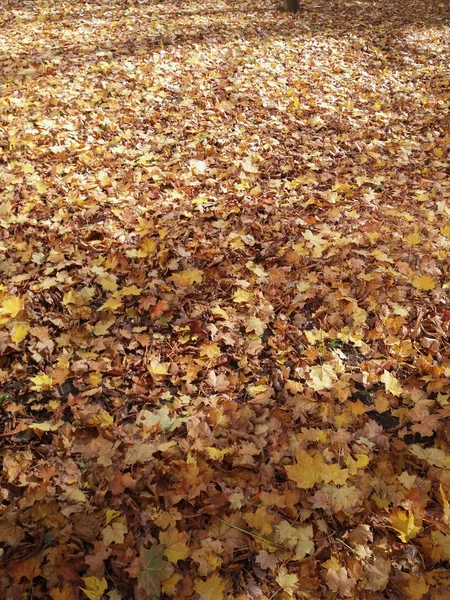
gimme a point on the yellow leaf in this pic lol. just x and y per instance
(155, 367)
(443, 541)
(169, 587)
(445, 230)
(425, 283)
(95, 587)
(298, 538)
(434, 456)
(101, 327)
(210, 350)
(147, 247)
(108, 284)
(403, 523)
(12, 306)
(102, 418)
(413, 238)
(307, 471)
(260, 520)
(417, 588)
(111, 514)
(422, 196)
(216, 453)
(73, 494)
(219, 312)
(187, 277)
(41, 382)
(95, 378)
(211, 589)
(46, 426)
(445, 506)
(19, 332)
(248, 166)
(391, 384)
(104, 179)
(335, 474)
(243, 296)
(322, 377)
(287, 581)
(112, 304)
(130, 290)
(174, 542)
(114, 533)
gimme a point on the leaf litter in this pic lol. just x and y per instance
(224, 305)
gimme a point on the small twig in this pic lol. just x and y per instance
(254, 535)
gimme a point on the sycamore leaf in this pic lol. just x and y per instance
(403, 523)
(211, 589)
(154, 571)
(95, 587)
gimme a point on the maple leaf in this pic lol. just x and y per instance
(424, 283)
(174, 542)
(391, 384)
(249, 166)
(378, 574)
(11, 306)
(19, 332)
(211, 589)
(267, 561)
(443, 541)
(298, 538)
(417, 587)
(403, 523)
(307, 471)
(260, 520)
(323, 377)
(154, 571)
(41, 382)
(187, 278)
(114, 533)
(287, 581)
(157, 368)
(217, 381)
(95, 587)
(339, 581)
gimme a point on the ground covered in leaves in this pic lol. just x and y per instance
(224, 312)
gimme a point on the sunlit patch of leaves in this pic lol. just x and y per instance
(224, 311)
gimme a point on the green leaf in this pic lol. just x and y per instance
(155, 570)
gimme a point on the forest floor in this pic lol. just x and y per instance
(224, 300)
